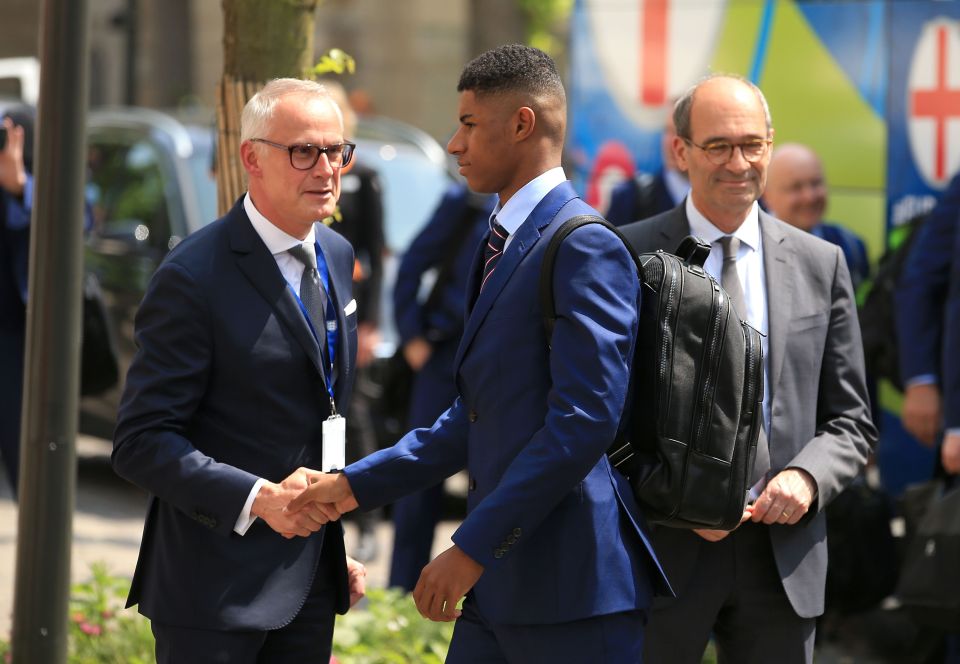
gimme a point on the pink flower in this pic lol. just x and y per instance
(90, 630)
(78, 617)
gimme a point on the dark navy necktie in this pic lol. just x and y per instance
(493, 251)
(312, 294)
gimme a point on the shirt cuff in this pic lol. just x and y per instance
(922, 379)
(245, 520)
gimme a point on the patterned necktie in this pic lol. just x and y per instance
(493, 251)
(730, 281)
(312, 294)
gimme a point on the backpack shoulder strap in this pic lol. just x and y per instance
(547, 303)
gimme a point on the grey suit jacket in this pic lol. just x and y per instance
(820, 416)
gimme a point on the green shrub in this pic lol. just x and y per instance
(389, 630)
(101, 631)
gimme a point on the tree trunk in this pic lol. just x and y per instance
(262, 40)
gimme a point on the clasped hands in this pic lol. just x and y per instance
(304, 502)
(308, 499)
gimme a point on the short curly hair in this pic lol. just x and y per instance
(512, 68)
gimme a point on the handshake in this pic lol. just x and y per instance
(303, 502)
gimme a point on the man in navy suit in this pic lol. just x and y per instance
(553, 555)
(247, 341)
(430, 333)
(921, 315)
(16, 197)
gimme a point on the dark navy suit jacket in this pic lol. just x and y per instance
(555, 527)
(639, 197)
(922, 291)
(227, 386)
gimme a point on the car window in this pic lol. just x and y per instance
(201, 170)
(125, 188)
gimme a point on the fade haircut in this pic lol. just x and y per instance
(684, 105)
(258, 112)
(513, 68)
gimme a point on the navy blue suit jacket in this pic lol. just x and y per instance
(555, 527)
(923, 287)
(639, 197)
(227, 386)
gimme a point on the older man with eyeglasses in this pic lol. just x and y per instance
(247, 344)
(759, 588)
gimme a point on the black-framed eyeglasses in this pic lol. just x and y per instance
(720, 152)
(304, 156)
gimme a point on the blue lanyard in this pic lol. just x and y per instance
(330, 316)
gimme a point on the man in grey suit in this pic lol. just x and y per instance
(759, 588)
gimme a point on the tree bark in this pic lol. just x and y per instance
(262, 40)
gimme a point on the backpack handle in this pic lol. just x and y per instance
(693, 250)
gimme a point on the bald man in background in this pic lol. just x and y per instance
(797, 193)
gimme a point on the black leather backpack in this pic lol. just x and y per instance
(696, 389)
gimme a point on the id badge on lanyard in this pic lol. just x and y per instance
(333, 456)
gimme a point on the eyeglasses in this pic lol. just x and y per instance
(305, 156)
(721, 152)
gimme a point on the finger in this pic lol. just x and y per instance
(329, 511)
(305, 496)
(436, 607)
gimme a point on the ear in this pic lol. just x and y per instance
(523, 123)
(250, 158)
(680, 153)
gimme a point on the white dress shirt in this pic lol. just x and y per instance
(752, 277)
(522, 203)
(278, 243)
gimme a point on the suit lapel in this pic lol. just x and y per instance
(778, 268)
(522, 241)
(675, 229)
(259, 266)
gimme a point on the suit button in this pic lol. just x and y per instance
(473, 416)
(472, 484)
(498, 553)
(511, 540)
(517, 532)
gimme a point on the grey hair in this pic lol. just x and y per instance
(684, 106)
(258, 112)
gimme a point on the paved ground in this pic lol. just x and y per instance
(108, 523)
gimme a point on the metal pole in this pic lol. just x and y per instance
(51, 367)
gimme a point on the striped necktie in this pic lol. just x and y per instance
(493, 251)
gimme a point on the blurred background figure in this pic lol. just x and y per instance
(16, 195)
(797, 193)
(920, 299)
(430, 328)
(359, 219)
(928, 338)
(645, 195)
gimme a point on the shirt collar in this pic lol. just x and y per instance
(277, 241)
(522, 203)
(748, 233)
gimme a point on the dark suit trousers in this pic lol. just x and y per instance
(306, 639)
(611, 639)
(735, 592)
(11, 399)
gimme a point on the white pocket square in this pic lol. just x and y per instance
(350, 308)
